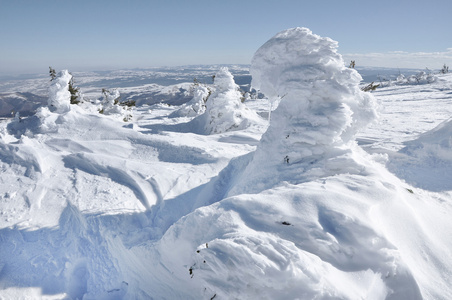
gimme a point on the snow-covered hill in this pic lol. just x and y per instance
(158, 207)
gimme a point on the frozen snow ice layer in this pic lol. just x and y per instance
(293, 56)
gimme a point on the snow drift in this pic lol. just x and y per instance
(435, 144)
(430, 154)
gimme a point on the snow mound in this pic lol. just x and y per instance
(224, 108)
(426, 162)
(434, 144)
(59, 95)
(321, 107)
(308, 241)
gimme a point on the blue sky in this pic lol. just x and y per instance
(96, 34)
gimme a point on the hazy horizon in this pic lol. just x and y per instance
(108, 35)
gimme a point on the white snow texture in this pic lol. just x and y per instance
(182, 203)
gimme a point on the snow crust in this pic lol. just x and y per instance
(92, 207)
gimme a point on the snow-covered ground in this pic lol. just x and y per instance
(159, 207)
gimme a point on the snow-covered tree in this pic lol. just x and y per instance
(75, 91)
(321, 106)
(110, 102)
(52, 73)
(197, 105)
(112, 106)
(59, 95)
(224, 109)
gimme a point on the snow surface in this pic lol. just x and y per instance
(93, 207)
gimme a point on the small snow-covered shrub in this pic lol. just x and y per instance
(370, 87)
(419, 78)
(112, 106)
(128, 103)
(400, 78)
(110, 102)
(197, 105)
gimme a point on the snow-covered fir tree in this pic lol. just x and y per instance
(59, 95)
(224, 108)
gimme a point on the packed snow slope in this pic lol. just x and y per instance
(308, 205)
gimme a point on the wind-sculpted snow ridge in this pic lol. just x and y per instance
(224, 109)
(430, 153)
(315, 240)
(435, 143)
